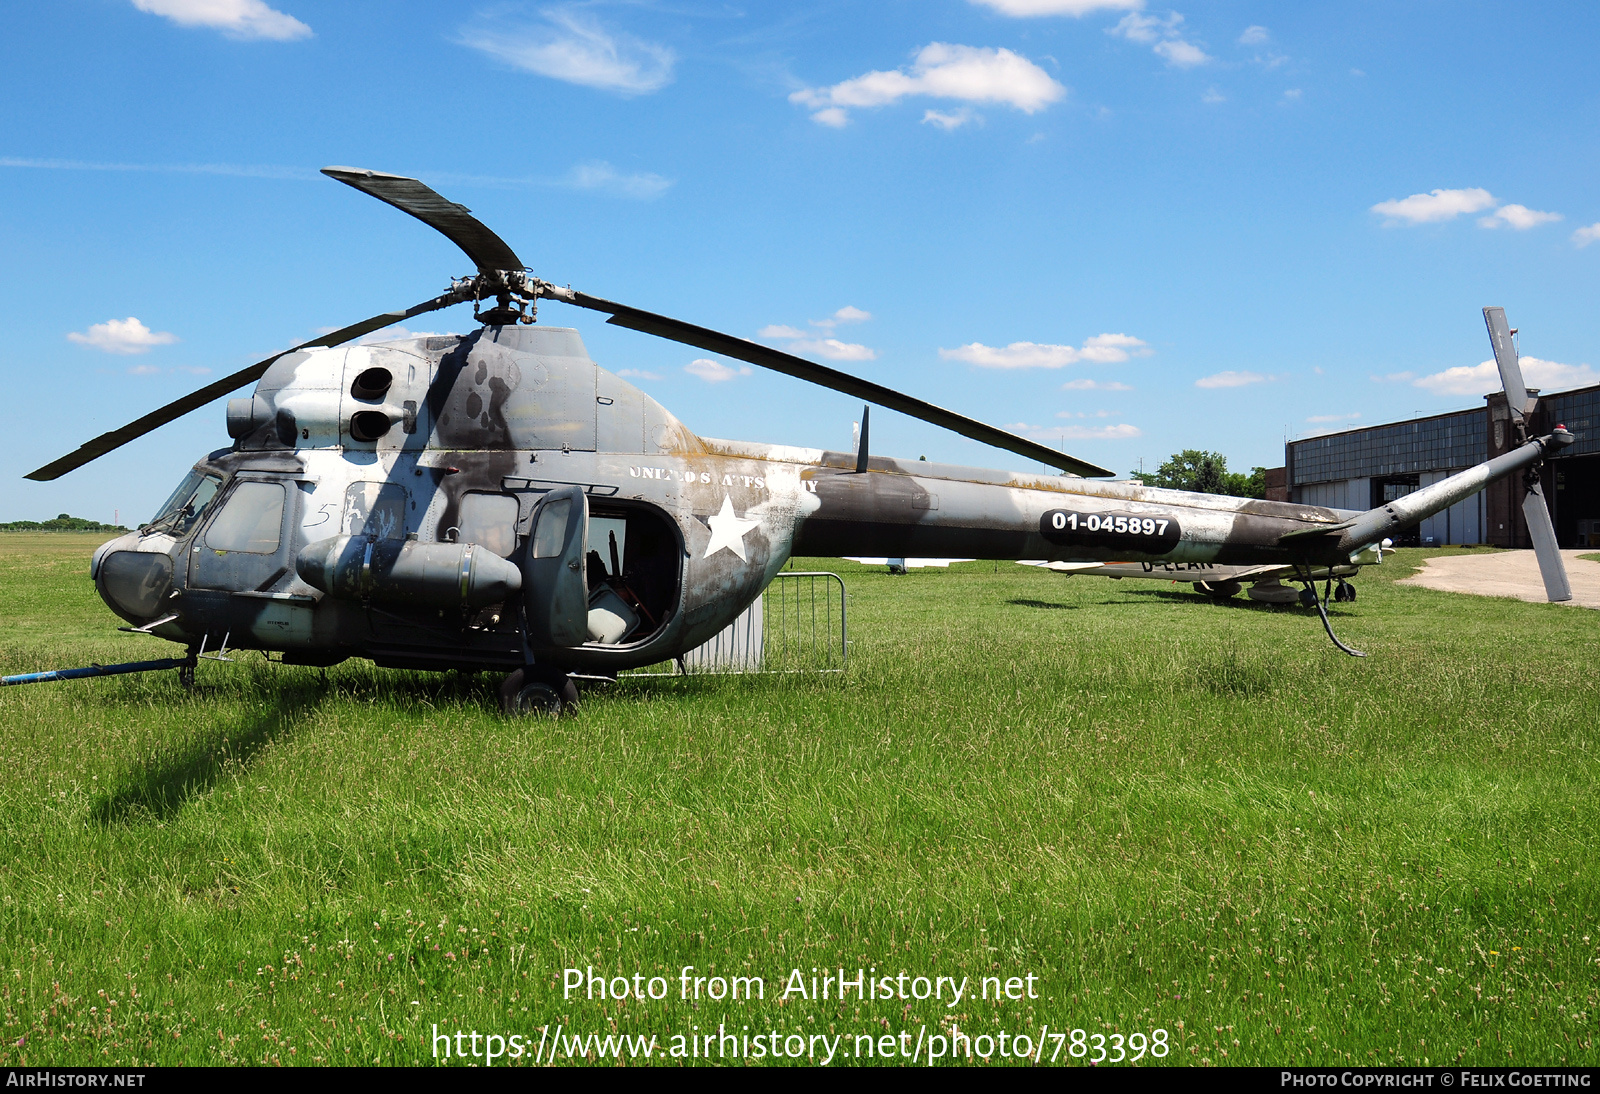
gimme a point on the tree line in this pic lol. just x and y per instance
(62, 523)
(1205, 473)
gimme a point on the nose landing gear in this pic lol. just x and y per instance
(538, 691)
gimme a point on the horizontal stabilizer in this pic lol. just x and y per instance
(1318, 530)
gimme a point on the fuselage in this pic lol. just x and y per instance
(431, 445)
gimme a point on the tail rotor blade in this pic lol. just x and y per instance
(1505, 358)
(1543, 533)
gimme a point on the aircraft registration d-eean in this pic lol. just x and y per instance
(497, 501)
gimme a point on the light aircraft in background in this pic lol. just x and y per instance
(1221, 582)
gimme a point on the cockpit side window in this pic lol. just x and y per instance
(250, 521)
(186, 506)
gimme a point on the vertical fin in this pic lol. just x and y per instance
(861, 445)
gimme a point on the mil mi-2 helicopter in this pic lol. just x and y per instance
(431, 503)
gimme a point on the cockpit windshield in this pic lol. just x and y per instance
(186, 505)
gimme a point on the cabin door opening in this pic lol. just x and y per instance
(632, 569)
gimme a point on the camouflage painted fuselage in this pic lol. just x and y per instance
(472, 432)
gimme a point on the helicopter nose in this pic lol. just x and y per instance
(133, 582)
(127, 539)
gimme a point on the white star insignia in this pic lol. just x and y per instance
(727, 530)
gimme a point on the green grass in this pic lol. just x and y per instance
(1176, 814)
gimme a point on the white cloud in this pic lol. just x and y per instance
(390, 334)
(639, 373)
(235, 18)
(1231, 379)
(808, 343)
(1181, 54)
(577, 49)
(714, 372)
(1481, 379)
(1435, 205)
(193, 370)
(1162, 36)
(1022, 9)
(1049, 433)
(1254, 36)
(940, 71)
(1519, 217)
(833, 349)
(144, 370)
(1120, 432)
(1292, 95)
(1585, 236)
(241, 170)
(846, 314)
(1140, 28)
(600, 175)
(1102, 349)
(1086, 384)
(953, 120)
(122, 336)
(1212, 95)
(1393, 378)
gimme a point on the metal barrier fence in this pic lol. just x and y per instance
(797, 625)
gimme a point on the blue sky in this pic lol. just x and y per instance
(1115, 226)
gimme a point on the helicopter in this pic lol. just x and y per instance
(496, 501)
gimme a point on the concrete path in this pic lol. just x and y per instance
(1508, 573)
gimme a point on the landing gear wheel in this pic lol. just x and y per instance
(1218, 590)
(186, 677)
(1344, 592)
(538, 692)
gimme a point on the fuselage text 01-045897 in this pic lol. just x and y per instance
(1140, 532)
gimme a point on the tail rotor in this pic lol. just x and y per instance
(1534, 509)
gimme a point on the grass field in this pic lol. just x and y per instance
(1175, 815)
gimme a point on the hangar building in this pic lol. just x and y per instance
(1363, 468)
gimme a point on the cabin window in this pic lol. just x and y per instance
(490, 520)
(250, 521)
(551, 533)
(376, 509)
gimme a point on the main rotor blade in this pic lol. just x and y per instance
(456, 222)
(107, 442)
(1505, 357)
(1543, 534)
(798, 367)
